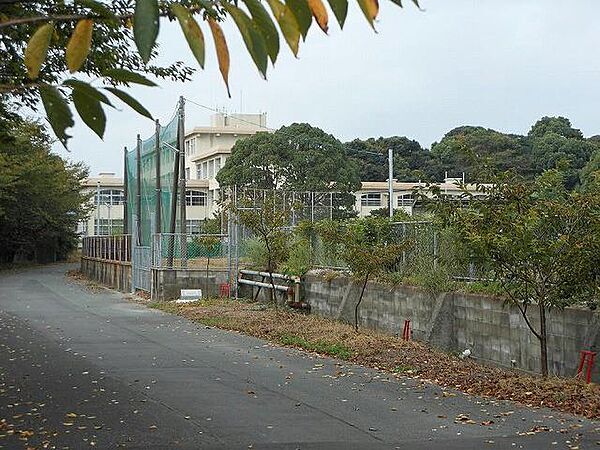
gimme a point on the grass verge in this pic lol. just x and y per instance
(389, 353)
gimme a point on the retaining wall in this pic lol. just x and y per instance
(495, 332)
(169, 282)
(115, 274)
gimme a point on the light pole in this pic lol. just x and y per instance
(390, 177)
(108, 205)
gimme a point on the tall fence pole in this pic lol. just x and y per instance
(435, 249)
(236, 247)
(138, 194)
(158, 214)
(125, 194)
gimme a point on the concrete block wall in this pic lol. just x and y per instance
(495, 332)
(170, 282)
(114, 274)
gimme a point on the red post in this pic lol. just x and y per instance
(406, 331)
(586, 357)
(224, 290)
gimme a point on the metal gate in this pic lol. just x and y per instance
(141, 268)
(141, 262)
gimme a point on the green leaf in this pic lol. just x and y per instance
(37, 49)
(90, 110)
(191, 31)
(58, 112)
(263, 21)
(145, 26)
(79, 44)
(288, 24)
(126, 76)
(89, 90)
(130, 101)
(340, 10)
(302, 13)
(97, 8)
(252, 37)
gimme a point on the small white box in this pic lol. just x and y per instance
(189, 295)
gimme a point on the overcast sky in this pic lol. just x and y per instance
(500, 64)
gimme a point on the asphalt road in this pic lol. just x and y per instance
(84, 369)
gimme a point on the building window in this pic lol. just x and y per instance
(195, 198)
(217, 165)
(211, 168)
(405, 200)
(110, 197)
(108, 227)
(190, 146)
(370, 199)
(194, 226)
(204, 170)
(82, 228)
(198, 171)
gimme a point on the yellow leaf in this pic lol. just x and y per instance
(319, 13)
(370, 9)
(222, 50)
(37, 49)
(79, 44)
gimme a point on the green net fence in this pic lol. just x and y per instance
(167, 140)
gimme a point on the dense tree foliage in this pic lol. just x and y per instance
(482, 153)
(556, 144)
(40, 194)
(479, 152)
(298, 157)
(411, 161)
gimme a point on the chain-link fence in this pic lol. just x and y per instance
(190, 251)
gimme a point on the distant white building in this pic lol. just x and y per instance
(375, 194)
(107, 197)
(207, 148)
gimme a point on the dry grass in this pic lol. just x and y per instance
(382, 351)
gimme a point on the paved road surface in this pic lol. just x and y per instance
(90, 370)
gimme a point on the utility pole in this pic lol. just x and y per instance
(391, 181)
(182, 215)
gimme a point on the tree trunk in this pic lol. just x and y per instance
(543, 340)
(270, 270)
(358, 303)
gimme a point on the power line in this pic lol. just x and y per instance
(236, 118)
